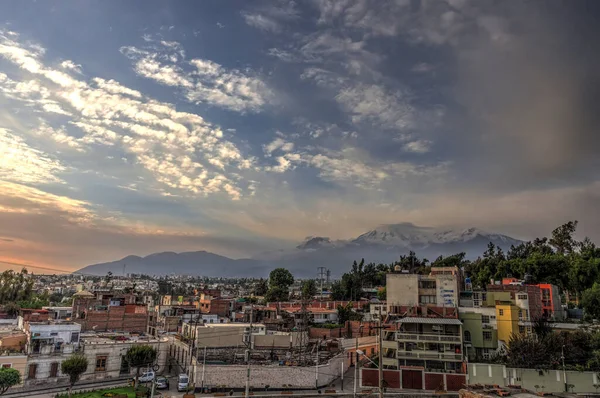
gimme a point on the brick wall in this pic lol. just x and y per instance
(126, 318)
(324, 333)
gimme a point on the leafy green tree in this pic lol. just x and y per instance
(74, 367)
(261, 287)
(8, 377)
(280, 280)
(337, 291)
(139, 356)
(382, 293)
(12, 309)
(590, 301)
(309, 289)
(582, 274)
(562, 238)
(347, 313)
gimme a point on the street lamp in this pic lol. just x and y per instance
(360, 352)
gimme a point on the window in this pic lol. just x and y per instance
(487, 335)
(100, 363)
(520, 314)
(7, 365)
(527, 314)
(54, 369)
(485, 319)
(522, 297)
(521, 329)
(501, 312)
(75, 337)
(53, 333)
(32, 371)
(427, 284)
(427, 300)
(467, 336)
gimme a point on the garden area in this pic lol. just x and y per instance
(115, 392)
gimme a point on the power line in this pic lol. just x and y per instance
(35, 266)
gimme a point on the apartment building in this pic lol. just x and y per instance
(440, 288)
(432, 344)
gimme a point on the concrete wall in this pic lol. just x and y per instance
(18, 362)
(402, 289)
(234, 376)
(552, 380)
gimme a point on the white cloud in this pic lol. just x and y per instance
(283, 55)
(179, 149)
(113, 87)
(262, 22)
(278, 143)
(272, 17)
(70, 65)
(373, 103)
(202, 81)
(423, 67)
(419, 146)
(20, 162)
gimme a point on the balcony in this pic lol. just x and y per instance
(434, 355)
(390, 362)
(389, 344)
(429, 338)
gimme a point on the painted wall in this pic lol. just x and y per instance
(507, 317)
(552, 380)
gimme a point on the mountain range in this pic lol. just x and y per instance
(383, 244)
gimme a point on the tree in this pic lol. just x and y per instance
(8, 377)
(74, 367)
(382, 293)
(590, 301)
(12, 309)
(309, 289)
(347, 313)
(139, 356)
(562, 238)
(280, 280)
(261, 287)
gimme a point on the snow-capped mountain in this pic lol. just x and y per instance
(411, 236)
(383, 244)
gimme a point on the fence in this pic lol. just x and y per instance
(550, 381)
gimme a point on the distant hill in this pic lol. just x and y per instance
(382, 244)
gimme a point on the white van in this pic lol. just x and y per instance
(183, 382)
(147, 377)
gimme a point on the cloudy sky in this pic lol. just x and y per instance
(243, 126)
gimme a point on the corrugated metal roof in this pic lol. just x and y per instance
(431, 321)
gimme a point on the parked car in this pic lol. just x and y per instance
(183, 382)
(162, 383)
(147, 377)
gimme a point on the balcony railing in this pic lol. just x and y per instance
(428, 337)
(442, 356)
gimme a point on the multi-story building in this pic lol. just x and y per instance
(433, 344)
(440, 288)
(551, 305)
(480, 331)
(109, 311)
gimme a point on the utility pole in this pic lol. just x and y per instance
(317, 366)
(380, 328)
(203, 369)
(355, 366)
(249, 351)
(562, 349)
(342, 375)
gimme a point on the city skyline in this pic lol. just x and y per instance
(243, 127)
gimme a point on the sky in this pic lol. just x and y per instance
(240, 127)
